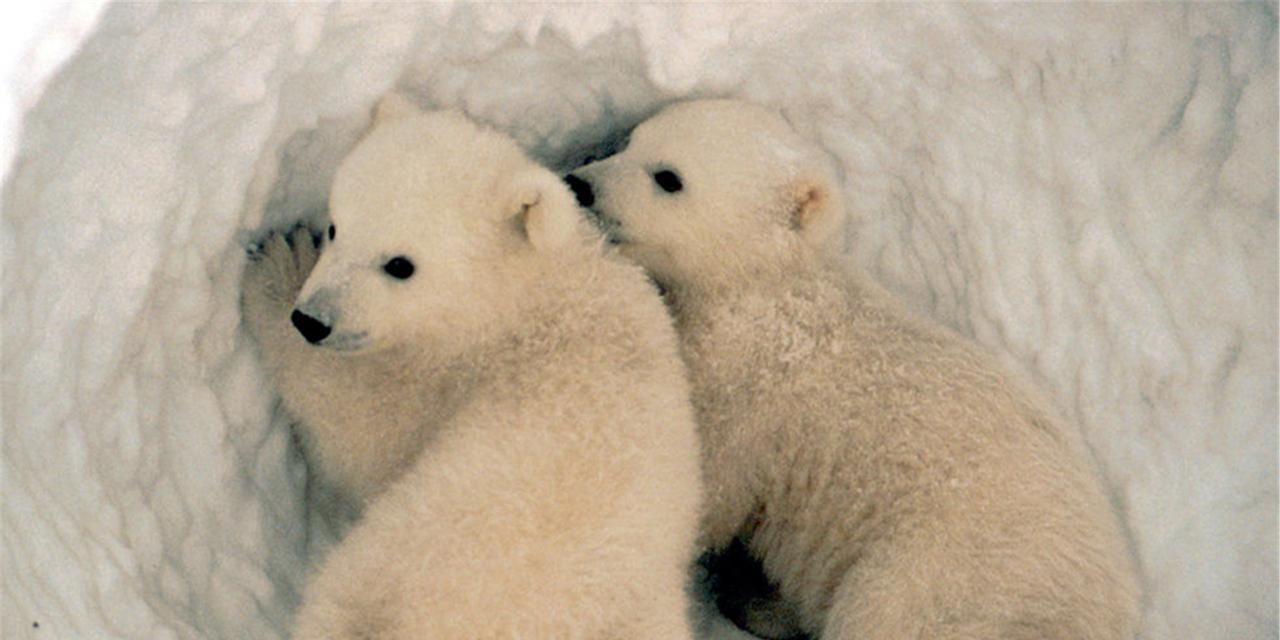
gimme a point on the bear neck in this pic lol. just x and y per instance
(707, 291)
(752, 322)
(546, 310)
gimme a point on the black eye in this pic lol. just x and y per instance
(668, 180)
(399, 268)
(333, 231)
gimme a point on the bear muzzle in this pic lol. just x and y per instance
(586, 196)
(311, 328)
(581, 189)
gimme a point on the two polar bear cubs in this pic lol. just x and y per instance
(506, 404)
(513, 409)
(891, 480)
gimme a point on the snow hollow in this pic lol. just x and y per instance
(1088, 191)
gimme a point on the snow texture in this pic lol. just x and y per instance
(1089, 191)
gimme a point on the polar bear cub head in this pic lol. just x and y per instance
(437, 224)
(711, 188)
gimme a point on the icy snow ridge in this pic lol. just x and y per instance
(1089, 191)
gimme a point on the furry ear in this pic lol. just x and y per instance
(816, 210)
(393, 106)
(544, 211)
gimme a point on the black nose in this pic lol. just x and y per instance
(310, 328)
(581, 190)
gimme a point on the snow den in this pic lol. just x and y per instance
(1088, 191)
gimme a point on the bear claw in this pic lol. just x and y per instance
(257, 250)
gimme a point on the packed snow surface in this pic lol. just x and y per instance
(1089, 191)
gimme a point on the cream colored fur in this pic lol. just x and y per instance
(513, 418)
(890, 477)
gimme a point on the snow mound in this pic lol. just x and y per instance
(1090, 191)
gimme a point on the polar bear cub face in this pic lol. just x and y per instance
(434, 221)
(711, 187)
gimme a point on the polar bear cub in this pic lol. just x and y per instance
(507, 404)
(890, 478)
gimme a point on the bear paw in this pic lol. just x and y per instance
(278, 267)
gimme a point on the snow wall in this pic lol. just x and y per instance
(1089, 191)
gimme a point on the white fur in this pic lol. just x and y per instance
(893, 481)
(513, 418)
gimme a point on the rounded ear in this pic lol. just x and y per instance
(816, 210)
(393, 106)
(544, 211)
